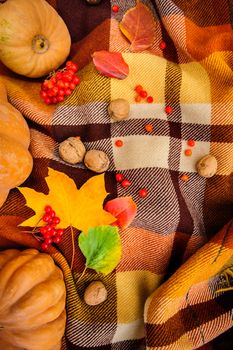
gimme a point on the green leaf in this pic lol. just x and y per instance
(101, 246)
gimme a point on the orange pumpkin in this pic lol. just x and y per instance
(32, 301)
(15, 159)
(34, 39)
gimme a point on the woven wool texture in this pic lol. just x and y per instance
(162, 295)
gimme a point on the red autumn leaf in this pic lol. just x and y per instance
(124, 209)
(110, 64)
(138, 26)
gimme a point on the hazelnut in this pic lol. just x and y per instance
(95, 293)
(207, 166)
(119, 109)
(96, 160)
(72, 150)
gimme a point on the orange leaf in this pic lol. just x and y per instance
(124, 209)
(138, 26)
(110, 64)
(81, 208)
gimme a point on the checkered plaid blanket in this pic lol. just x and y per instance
(164, 293)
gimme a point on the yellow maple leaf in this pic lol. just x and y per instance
(81, 208)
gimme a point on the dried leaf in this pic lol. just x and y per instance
(101, 247)
(110, 64)
(124, 209)
(81, 208)
(138, 26)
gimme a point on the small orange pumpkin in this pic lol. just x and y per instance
(34, 39)
(15, 159)
(32, 301)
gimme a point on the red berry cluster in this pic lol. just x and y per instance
(60, 84)
(142, 94)
(48, 233)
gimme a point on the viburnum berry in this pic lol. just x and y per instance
(138, 98)
(60, 232)
(143, 93)
(119, 177)
(56, 220)
(56, 239)
(138, 88)
(48, 209)
(191, 143)
(149, 99)
(44, 246)
(168, 109)
(143, 193)
(126, 183)
(46, 218)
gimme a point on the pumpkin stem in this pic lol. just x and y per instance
(40, 44)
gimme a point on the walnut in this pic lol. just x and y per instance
(95, 293)
(96, 160)
(207, 166)
(72, 150)
(119, 109)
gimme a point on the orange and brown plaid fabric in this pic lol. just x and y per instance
(164, 293)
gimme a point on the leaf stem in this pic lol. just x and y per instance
(85, 268)
(73, 247)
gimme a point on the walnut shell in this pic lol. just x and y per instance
(207, 166)
(96, 160)
(119, 109)
(72, 150)
(95, 293)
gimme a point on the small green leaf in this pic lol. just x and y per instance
(101, 247)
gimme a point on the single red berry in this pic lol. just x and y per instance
(61, 92)
(58, 76)
(52, 214)
(162, 45)
(138, 88)
(126, 183)
(43, 230)
(188, 152)
(60, 98)
(60, 232)
(119, 143)
(184, 177)
(115, 8)
(68, 92)
(50, 84)
(168, 109)
(66, 85)
(53, 232)
(48, 100)
(119, 177)
(76, 80)
(56, 239)
(54, 100)
(60, 84)
(53, 80)
(48, 241)
(46, 217)
(143, 93)
(44, 246)
(72, 86)
(149, 99)
(149, 127)
(49, 227)
(48, 209)
(43, 94)
(138, 98)
(191, 143)
(55, 90)
(143, 193)
(56, 220)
